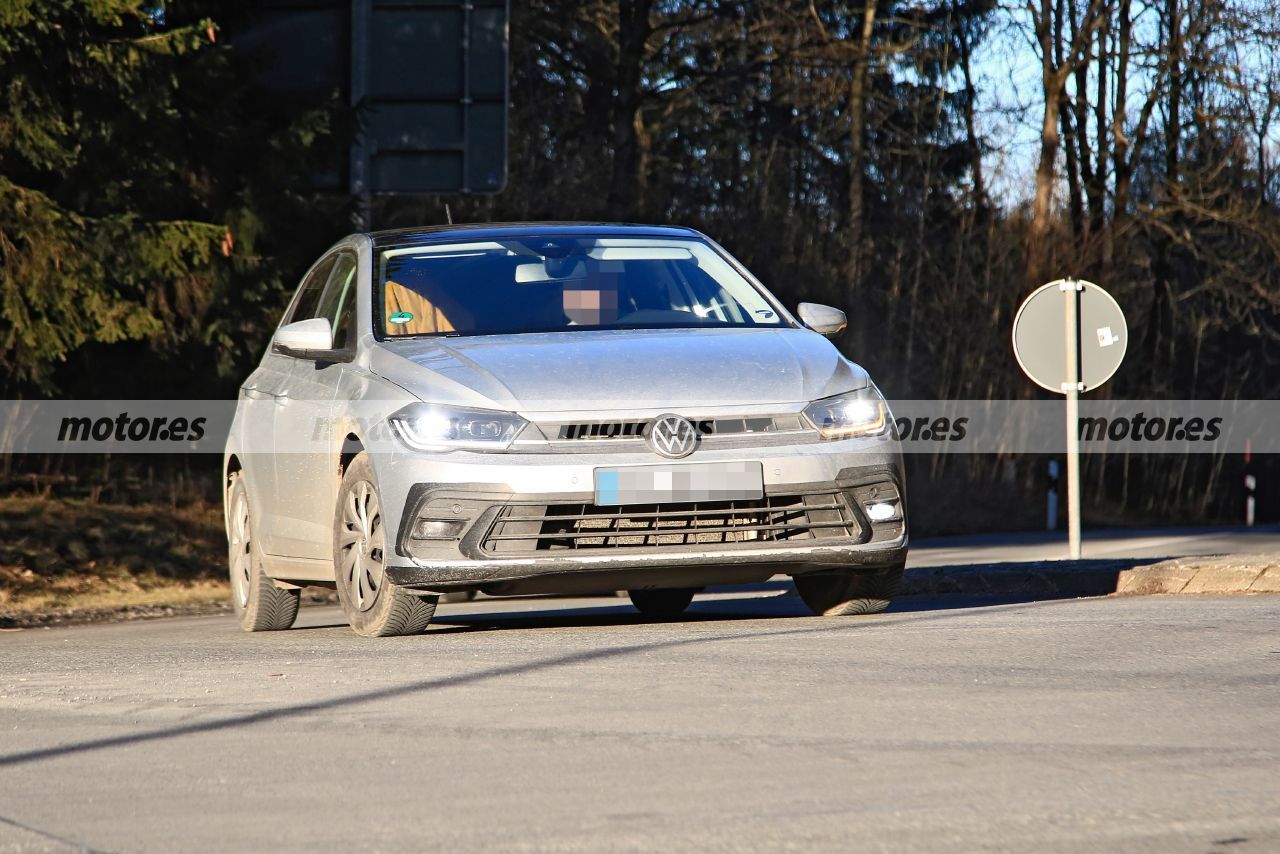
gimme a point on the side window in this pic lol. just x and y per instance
(308, 301)
(339, 300)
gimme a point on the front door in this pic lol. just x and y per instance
(260, 394)
(306, 450)
(267, 392)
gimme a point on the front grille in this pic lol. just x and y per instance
(723, 426)
(602, 430)
(528, 528)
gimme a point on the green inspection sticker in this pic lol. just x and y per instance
(400, 317)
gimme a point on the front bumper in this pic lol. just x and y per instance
(460, 550)
(629, 572)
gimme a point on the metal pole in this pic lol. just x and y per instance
(1073, 475)
(1250, 486)
(1051, 511)
(1250, 501)
(1071, 293)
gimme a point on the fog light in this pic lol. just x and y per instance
(438, 529)
(882, 511)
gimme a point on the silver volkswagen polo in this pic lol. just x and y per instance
(554, 408)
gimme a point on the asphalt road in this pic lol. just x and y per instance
(1149, 723)
(1098, 543)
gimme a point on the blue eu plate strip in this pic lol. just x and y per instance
(607, 487)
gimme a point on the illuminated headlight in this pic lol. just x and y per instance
(430, 427)
(857, 413)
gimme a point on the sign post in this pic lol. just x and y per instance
(1071, 387)
(427, 84)
(1070, 336)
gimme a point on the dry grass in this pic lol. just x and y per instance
(58, 554)
(111, 597)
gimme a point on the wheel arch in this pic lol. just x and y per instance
(352, 445)
(230, 466)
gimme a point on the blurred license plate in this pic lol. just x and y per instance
(690, 482)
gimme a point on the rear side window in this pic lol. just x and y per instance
(307, 304)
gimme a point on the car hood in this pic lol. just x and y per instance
(620, 369)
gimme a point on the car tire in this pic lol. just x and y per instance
(849, 593)
(260, 606)
(668, 602)
(373, 605)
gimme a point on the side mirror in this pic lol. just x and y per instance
(822, 319)
(303, 337)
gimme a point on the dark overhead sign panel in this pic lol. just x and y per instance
(428, 81)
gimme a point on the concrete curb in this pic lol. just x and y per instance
(1067, 579)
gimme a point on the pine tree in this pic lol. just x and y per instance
(148, 190)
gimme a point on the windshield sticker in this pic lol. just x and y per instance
(400, 317)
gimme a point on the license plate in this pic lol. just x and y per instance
(689, 482)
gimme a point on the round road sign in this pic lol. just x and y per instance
(1040, 330)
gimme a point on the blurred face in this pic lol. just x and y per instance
(590, 305)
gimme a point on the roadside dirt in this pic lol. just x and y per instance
(62, 559)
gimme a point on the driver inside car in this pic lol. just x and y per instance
(592, 300)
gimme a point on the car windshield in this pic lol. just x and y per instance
(560, 284)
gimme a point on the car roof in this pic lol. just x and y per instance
(481, 230)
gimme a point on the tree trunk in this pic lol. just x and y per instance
(857, 143)
(1124, 162)
(970, 123)
(1173, 121)
(1046, 171)
(633, 31)
(1097, 185)
(1075, 201)
(1066, 119)
(1080, 108)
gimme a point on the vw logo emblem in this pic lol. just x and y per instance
(671, 436)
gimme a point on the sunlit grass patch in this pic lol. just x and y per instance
(62, 553)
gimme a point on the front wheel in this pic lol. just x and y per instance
(847, 593)
(260, 606)
(372, 604)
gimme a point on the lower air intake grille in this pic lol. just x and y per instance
(529, 528)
